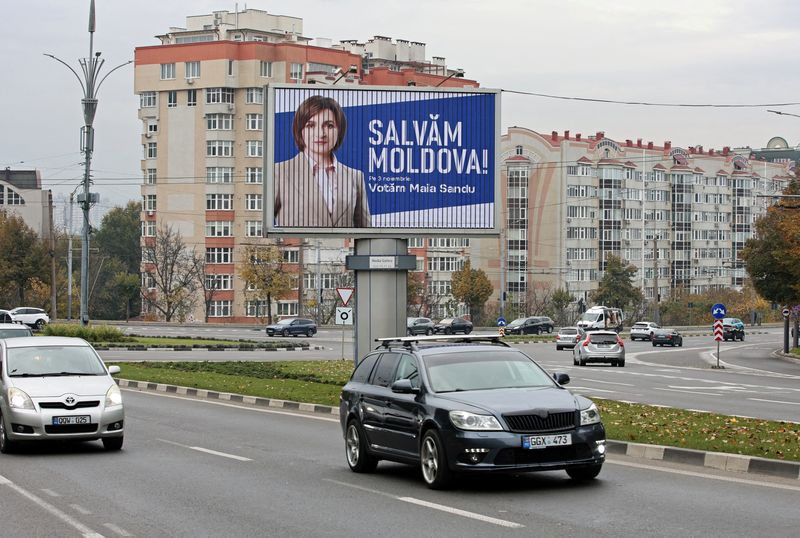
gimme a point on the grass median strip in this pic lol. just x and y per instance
(320, 382)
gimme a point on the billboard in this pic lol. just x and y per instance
(367, 161)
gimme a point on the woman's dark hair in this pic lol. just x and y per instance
(309, 108)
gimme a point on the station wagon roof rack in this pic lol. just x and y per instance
(412, 341)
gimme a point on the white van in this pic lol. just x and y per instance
(602, 318)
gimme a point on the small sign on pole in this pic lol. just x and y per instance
(344, 315)
(345, 294)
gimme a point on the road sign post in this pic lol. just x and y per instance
(785, 329)
(718, 335)
(344, 315)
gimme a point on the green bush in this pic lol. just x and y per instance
(99, 333)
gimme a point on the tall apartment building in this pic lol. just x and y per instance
(202, 112)
(681, 215)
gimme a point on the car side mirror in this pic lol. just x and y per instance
(561, 379)
(404, 386)
(113, 369)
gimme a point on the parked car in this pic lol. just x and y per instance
(419, 326)
(643, 330)
(57, 388)
(732, 329)
(480, 406)
(568, 337)
(14, 330)
(530, 325)
(672, 337)
(293, 327)
(30, 316)
(599, 346)
(453, 325)
(5, 316)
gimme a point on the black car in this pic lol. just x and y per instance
(453, 325)
(419, 326)
(662, 337)
(293, 326)
(458, 404)
(531, 325)
(732, 329)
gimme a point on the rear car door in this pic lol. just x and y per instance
(376, 399)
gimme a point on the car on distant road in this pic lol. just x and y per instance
(292, 327)
(599, 346)
(57, 388)
(662, 337)
(732, 329)
(568, 337)
(453, 326)
(5, 316)
(30, 316)
(419, 326)
(14, 330)
(466, 404)
(530, 325)
(643, 330)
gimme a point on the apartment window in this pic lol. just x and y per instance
(219, 148)
(254, 174)
(518, 150)
(255, 148)
(287, 308)
(254, 96)
(149, 202)
(147, 99)
(219, 228)
(219, 174)
(230, 68)
(296, 72)
(191, 98)
(219, 122)
(151, 150)
(415, 242)
(448, 242)
(149, 281)
(255, 122)
(148, 228)
(253, 202)
(445, 263)
(150, 176)
(192, 69)
(440, 287)
(152, 127)
(291, 256)
(172, 99)
(265, 69)
(167, 71)
(254, 228)
(219, 255)
(220, 202)
(256, 308)
(13, 198)
(220, 309)
(219, 282)
(219, 95)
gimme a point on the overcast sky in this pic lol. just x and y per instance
(699, 51)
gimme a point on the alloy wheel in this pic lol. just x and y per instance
(353, 442)
(430, 460)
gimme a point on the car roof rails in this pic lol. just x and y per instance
(412, 341)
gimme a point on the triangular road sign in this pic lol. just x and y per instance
(345, 294)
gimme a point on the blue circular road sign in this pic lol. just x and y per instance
(718, 311)
(501, 322)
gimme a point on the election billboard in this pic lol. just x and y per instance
(367, 161)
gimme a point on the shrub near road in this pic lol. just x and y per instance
(321, 382)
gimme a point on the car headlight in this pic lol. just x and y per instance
(113, 396)
(464, 420)
(590, 415)
(18, 399)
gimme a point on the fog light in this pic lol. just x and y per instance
(115, 426)
(601, 447)
(475, 455)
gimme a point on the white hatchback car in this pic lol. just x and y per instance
(643, 330)
(30, 316)
(56, 388)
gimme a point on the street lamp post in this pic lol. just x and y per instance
(90, 85)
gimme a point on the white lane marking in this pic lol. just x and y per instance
(773, 401)
(75, 524)
(462, 513)
(608, 382)
(80, 509)
(592, 389)
(121, 532)
(689, 391)
(704, 475)
(206, 450)
(426, 504)
(51, 492)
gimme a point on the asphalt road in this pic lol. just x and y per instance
(196, 468)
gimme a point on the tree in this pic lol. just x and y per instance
(471, 287)
(24, 259)
(264, 276)
(560, 301)
(120, 234)
(616, 288)
(172, 273)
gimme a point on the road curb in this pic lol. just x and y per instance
(687, 456)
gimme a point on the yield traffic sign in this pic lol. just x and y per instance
(718, 330)
(345, 294)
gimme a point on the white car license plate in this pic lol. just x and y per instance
(544, 441)
(63, 421)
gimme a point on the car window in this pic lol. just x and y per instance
(53, 361)
(568, 331)
(15, 333)
(384, 371)
(407, 369)
(470, 370)
(364, 368)
(603, 338)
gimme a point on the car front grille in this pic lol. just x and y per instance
(523, 456)
(62, 405)
(71, 428)
(535, 423)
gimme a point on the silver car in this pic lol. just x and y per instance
(57, 388)
(14, 330)
(599, 346)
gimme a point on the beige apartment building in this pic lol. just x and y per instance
(21, 194)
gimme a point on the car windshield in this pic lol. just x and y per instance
(14, 333)
(471, 370)
(516, 322)
(590, 316)
(603, 339)
(53, 361)
(568, 331)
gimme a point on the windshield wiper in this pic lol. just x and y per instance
(65, 374)
(453, 390)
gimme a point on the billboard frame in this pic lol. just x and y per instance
(271, 230)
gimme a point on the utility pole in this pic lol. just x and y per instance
(53, 294)
(69, 260)
(90, 85)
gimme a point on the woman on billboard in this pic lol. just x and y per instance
(313, 189)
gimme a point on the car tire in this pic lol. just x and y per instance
(433, 461)
(39, 325)
(7, 446)
(580, 474)
(581, 362)
(680, 344)
(741, 338)
(448, 331)
(654, 344)
(428, 332)
(112, 443)
(549, 330)
(285, 333)
(467, 331)
(310, 333)
(355, 445)
(621, 364)
(559, 348)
